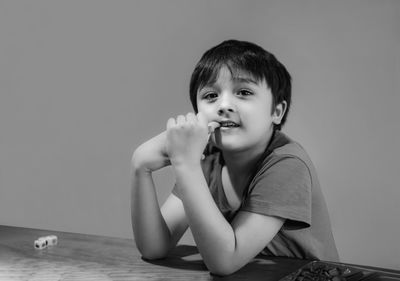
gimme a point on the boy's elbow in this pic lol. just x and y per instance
(150, 252)
(222, 268)
(225, 271)
(153, 254)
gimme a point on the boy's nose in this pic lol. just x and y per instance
(224, 110)
(225, 105)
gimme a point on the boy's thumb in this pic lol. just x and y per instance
(212, 126)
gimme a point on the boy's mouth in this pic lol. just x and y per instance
(228, 124)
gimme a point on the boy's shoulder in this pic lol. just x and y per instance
(283, 148)
(285, 158)
(282, 145)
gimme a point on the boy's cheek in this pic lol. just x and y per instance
(207, 112)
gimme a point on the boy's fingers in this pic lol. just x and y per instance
(212, 126)
(180, 119)
(190, 117)
(170, 123)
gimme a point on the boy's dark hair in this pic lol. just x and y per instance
(239, 57)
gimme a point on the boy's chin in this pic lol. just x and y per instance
(230, 146)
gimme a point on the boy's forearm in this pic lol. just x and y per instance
(214, 236)
(151, 233)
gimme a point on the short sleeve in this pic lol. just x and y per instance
(282, 189)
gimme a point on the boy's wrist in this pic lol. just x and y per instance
(139, 169)
(185, 162)
(138, 166)
(185, 166)
(188, 177)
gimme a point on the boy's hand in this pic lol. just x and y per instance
(187, 137)
(151, 155)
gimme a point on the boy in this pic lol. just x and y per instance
(242, 186)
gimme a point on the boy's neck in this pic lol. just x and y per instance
(242, 163)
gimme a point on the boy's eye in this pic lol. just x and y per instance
(210, 96)
(244, 92)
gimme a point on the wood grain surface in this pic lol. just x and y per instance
(89, 257)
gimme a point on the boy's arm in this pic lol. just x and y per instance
(224, 247)
(155, 231)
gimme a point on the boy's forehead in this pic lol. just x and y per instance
(235, 75)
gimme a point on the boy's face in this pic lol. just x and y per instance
(243, 108)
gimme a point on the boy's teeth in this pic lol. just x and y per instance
(229, 124)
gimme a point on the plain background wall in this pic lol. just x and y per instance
(82, 83)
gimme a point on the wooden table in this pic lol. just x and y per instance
(89, 257)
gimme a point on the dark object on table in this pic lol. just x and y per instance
(324, 271)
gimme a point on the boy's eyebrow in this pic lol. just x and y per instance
(234, 79)
(238, 79)
(244, 80)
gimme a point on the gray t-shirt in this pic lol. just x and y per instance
(285, 185)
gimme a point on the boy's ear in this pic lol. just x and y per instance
(279, 112)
